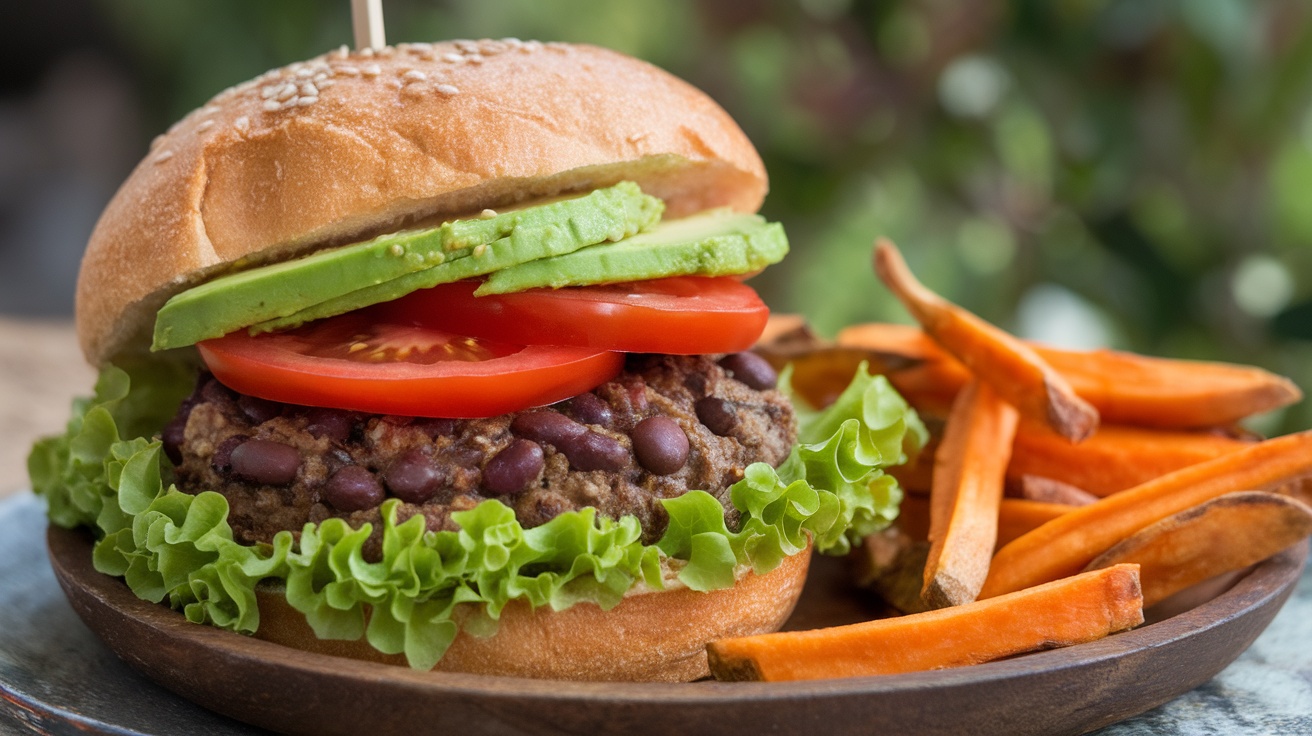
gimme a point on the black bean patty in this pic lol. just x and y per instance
(665, 425)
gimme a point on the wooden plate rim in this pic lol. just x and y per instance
(71, 559)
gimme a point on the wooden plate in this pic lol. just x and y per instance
(1069, 690)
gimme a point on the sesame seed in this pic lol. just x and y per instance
(321, 76)
(154, 143)
(531, 46)
(343, 51)
(448, 89)
(325, 84)
(305, 73)
(309, 90)
(386, 51)
(270, 91)
(371, 70)
(306, 101)
(487, 214)
(453, 58)
(474, 59)
(287, 92)
(204, 125)
(348, 71)
(210, 109)
(242, 123)
(511, 41)
(367, 51)
(272, 105)
(163, 156)
(414, 75)
(393, 83)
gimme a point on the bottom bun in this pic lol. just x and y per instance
(649, 637)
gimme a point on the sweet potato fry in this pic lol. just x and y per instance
(969, 468)
(1050, 490)
(892, 564)
(1227, 533)
(1072, 611)
(1125, 388)
(1017, 516)
(1116, 457)
(1068, 543)
(1009, 366)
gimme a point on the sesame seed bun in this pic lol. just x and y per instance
(349, 145)
(648, 637)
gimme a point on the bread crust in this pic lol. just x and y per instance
(361, 143)
(649, 637)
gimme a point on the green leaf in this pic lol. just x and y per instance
(177, 547)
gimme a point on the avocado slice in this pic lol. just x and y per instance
(343, 279)
(714, 243)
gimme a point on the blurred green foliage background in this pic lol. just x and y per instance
(1134, 173)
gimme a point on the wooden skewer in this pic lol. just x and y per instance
(367, 20)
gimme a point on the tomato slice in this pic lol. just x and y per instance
(358, 362)
(685, 315)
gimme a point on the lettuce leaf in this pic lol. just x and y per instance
(177, 547)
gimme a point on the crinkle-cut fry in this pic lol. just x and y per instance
(969, 470)
(1125, 388)
(1116, 457)
(1018, 516)
(1225, 534)
(1068, 543)
(1009, 366)
(1074, 610)
(1050, 490)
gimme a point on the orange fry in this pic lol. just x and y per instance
(969, 468)
(1068, 543)
(1227, 533)
(1083, 608)
(1116, 457)
(1009, 366)
(1125, 388)
(1018, 516)
(1051, 490)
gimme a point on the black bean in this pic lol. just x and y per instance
(514, 468)
(333, 424)
(221, 460)
(258, 410)
(751, 369)
(436, 427)
(353, 488)
(550, 427)
(717, 414)
(215, 392)
(413, 478)
(173, 435)
(661, 445)
(590, 409)
(595, 451)
(266, 462)
(696, 383)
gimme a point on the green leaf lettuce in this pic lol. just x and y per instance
(177, 547)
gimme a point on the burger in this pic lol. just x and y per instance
(440, 355)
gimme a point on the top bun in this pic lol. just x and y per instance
(351, 144)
